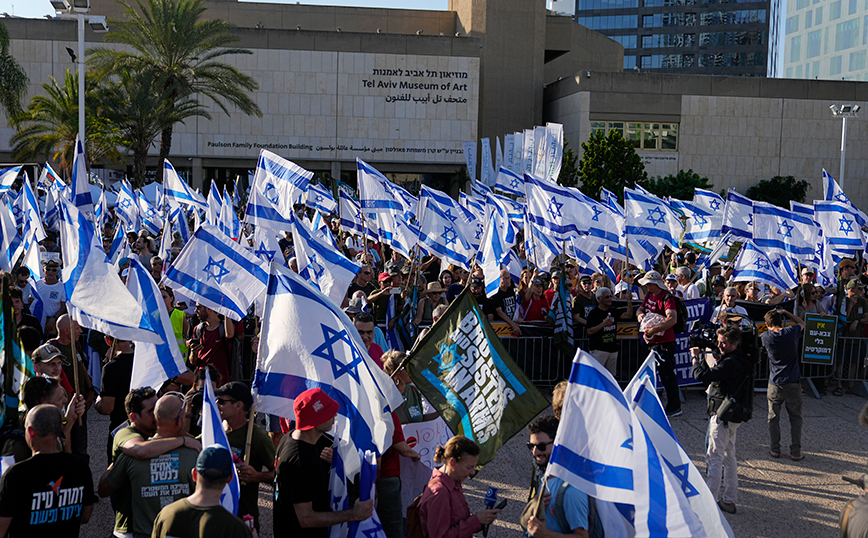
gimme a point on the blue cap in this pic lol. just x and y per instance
(214, 462)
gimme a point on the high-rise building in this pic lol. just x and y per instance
(826, 39)
(713, 37)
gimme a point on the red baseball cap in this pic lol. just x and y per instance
(384, 276)
(312, 408)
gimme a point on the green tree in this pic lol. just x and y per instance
(779, 191)
(608, 160)
(13, 78)
(133, 103)
(569, 176)
(679, 186)
(48, 127)
(170, 40)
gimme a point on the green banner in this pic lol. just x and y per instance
(467, 375)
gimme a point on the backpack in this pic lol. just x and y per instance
(414, 523)
(199, 330)
(681, 313)
(595, 526)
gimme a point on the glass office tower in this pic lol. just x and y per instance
(826, 39)
(714, 37)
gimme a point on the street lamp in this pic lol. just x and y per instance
(846, 111)
(78, 10)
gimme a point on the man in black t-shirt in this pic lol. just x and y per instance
(301, 493)
(50, 494)
(477, 288)
(505, 302)
(583, 303)
(602, 329)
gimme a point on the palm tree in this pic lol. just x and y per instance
(170, 40)
(134, 102)
(13, 78)
(49, 125)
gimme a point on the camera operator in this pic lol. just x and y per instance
(727, 378)
(785, 387)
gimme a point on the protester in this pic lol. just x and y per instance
(851, 348)
(194, 398)
(503, 303)
(583, 303)
(784, 387)
(729, 312)
(660, 337)
(808, 300)
(361, 283)
(116, 376)
(22, 318)
(234, 401)
(53, 295)
(201, 515)
(413, 408)
(379, 300)
(671, 281)
(752, 292)
(178, 318)
(443, 510)
(22, 280)
(152, 483)
(602, 329)
(50, 493)
(432, 298)
(687, 287)
(718, 284)
(212, 341)
(727, 378)
(459, 281)
(534, 306)
(477, 289)
(47, 390)
(302, 505)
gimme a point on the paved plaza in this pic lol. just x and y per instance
(778, 498)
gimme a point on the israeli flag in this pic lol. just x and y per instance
(709, 200)
(229, 223)
(554, 148)
(738, 216)
(840, 226)
(802, 209)
(408, 202)
(605, 226)
(339, 494)
(445, 227)
(397, 232)
(118, 241)
(89, 280)
(608, 197)
(32, 221)
(266, 247)
(701, 225)
(100, 213)
(153, 363)
(834, 193)
(150, 217)
(497, 241)
(752, 264)
(353, 221)
(14, 201)
(218, 273)
(556, 211)
(127, 207)
(593, 449)
(277, 185)
(213, 434)
(80, 193)
(8, 177)
(320, 264)
(176, 189)
(165, 250)
(215, 205)
(371, 527)
(375, 196)
(650, 222)
(317, 197)
(320, 228)
(11, 244)
(785, 233)
(308, 342)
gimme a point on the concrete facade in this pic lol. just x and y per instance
(733, 130)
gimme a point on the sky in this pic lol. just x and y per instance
(38, 8)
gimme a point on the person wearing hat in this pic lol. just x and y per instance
(846, 271)
(583, 303)
(534, 306)
(201, 515)
(504, 302)
(52, 293)
(718, 284)
(234, 401)
(379, 300)
(671, 282)
(477, 289)
(808, 276)
(302, 507)
(661, 338)
(850, 351)
(432, 298)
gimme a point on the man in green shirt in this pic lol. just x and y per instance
(156, 481)
(234, 401)
(201, 515)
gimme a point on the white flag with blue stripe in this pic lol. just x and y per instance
(229, 223)
(397, 232)
(609, 198)
(650, 223)
(496, 243)
(32, 221)
(701, 225)
(176, 189)
(218, 273)
(709, 200)
(116, 247)
(213, 434)
(266, 247)
(375, 196)
(556, 211)
(319, 198)
(321, 264)
(785, 233)
(215, 205)
(752, 264)
(738, 216)
(605, 227)
(100, 213)
(353, 221)
(833, 192)
(840, 226)
(8, 177)
(593, 449)
(445, 228)
(80, 193)
(153, 363)
(11, 243)
(277, 185)
(509, 182)
(127, 207)
(96, 296)
(308, 342)
(149, 215)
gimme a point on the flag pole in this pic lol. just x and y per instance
(249, 439)
(74, 359)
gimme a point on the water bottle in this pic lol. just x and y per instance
(490, 500)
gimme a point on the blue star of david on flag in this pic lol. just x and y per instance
(326, 351)
(555, 208)
(449, 235)
(450, 351)
(846, 225)
(597, 213)
(714, 205)
(627, 444)
(150, 212)
(480, 229)
(699, 220)
(314, 264)
(125, 203)
(515, 183)
(215, 269)
(841, 197)
(450, 216)
(682, 473)
(659, 219)
(375, 531)
(750, 220)
(785, 229)
(264, 253)
(271, 193)
(319, 198)
(761, 264)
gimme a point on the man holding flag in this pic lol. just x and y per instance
(301, 492)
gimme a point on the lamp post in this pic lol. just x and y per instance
(846, 111)
(78, 10)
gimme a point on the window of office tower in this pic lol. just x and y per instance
(643, 136)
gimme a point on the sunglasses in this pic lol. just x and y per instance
(539, 446)
(224, 401)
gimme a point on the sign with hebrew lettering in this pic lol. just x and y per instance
(819, 342)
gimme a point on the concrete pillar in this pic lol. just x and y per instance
(197, 179)
(336, 170)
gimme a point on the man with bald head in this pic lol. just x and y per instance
(157, 481)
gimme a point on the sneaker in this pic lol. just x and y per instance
(729, 508)
(677, 413)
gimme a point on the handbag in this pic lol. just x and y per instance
(535, 507)
(729, 406)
